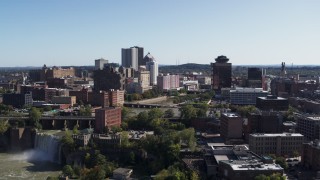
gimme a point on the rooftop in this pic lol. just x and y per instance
(230, 114)
(221, 59)
(248, 90)
(253, 165)
(276, 134)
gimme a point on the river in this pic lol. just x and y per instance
(35, 163)
(24, 166)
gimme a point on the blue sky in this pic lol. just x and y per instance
(75, 32)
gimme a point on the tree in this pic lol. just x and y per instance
(116, 129)
(295, 153)
(188, 112)
(85, 111)
(275, 176)
(155, 113)
(52, 178)
(75, 129)
(34, 116)
(68, 140)
(188, 136)
(109, 168)
(143, 116)
(282, 162)
(125, 139)
(244, 110)
(4, 125)
(67, 170)
(99, 159)
(47, 108)
(168, 113)
(201, 112)
(94, 173)
(125, 112)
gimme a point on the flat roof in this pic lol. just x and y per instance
(231, 114)
(221, 158)
(253, 165)
(276, 134)
(278, 98)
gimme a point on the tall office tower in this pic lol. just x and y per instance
(221, 73)
(152, 66)
(132, 57)
(99, 63)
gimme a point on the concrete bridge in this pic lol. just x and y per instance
(58, 122)
(138, 105)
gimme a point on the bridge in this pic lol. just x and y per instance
(138, 105)
(58, 122)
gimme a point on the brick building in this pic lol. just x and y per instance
(108, 78)
(231, 126)
(107, 118)
(221, 73)
(263, 122)
(105, 99)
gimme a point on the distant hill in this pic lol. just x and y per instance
(183, 68)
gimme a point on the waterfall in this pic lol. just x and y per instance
(48, 147)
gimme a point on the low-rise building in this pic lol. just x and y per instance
(272, 103)
(17, 100)
(311, 155)
(308, 125)
(279, 144)
(237, 162)
(122, 173)
(64, 100)
(231, 126)
(107, 118)
(81, 139)
(246, 169)
(104, 140)
(246, 96)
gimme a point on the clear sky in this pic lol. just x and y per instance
(75, 32)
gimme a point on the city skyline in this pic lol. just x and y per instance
(73, 33)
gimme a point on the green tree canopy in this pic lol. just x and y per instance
(67, 171)
(155, 113)
(168, 113)
(188, 112)
(85, 111)
(34, 116)
(4, 125)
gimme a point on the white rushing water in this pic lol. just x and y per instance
(46, 147)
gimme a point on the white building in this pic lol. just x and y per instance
(246, 96)
(152, 66)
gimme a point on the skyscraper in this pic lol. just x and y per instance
(132, 57)
(221, 73)
(152, 66)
